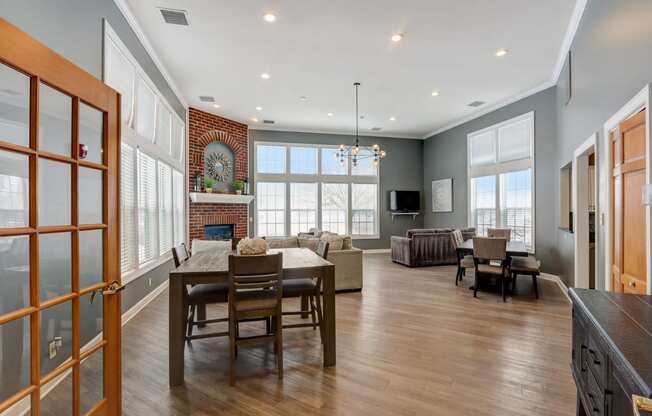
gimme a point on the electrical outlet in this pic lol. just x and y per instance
(149, 281)
(52, 349)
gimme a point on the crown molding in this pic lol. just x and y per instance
(491, 108)
(571, 31)
(334, 132)
(135, 26)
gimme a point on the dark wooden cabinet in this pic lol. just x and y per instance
(612, 351)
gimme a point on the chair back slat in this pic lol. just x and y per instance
(505, 233)
(247, 273)
(322, 249)
(489, 248)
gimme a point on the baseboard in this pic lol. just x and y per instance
(554, 278)
(22, 407)
(377, 251)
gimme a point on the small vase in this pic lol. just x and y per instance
(209, 190)
(238, 192)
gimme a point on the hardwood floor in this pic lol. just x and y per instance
(412, 343)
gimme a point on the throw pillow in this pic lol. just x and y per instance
(347, 243)
(282, 242)
(335, 241)
(310, 242)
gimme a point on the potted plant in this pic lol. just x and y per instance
(238, 186)
(208, 184)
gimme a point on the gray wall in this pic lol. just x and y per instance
(445, 156)
(73, 29)
(402, 169)
(611, 62)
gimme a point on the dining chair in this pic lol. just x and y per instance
(505, 233)
(198, 296)
(309, 288)
(255, 293)
(463, 262)
(528, 266)
(490, 258)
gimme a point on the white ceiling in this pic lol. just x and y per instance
(318, 49)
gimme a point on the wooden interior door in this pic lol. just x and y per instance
(59, 234)
(629, 269)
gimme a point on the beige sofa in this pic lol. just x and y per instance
(347, 259)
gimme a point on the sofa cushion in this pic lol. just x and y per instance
(309, 242)
(282, 242)
(335, 241)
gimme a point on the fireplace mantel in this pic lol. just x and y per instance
(211, 198)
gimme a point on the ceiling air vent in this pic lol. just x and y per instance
(206, 99)
(175, 17)
(477, 103)
(376, 128)
(268, 121)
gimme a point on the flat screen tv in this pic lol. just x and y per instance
(405, 201)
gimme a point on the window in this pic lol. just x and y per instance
(147, 208)
(165, 214)
(303, 207)
(152, 171)
(364, 207)
(334, 207)
(501, 174)
(270, 159)
(317, 189)
(303, 160)
(271, 208)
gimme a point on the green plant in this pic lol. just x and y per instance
(209, 182)
(238, 185)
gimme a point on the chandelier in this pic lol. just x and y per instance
(355, 152)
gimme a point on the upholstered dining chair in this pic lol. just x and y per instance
(310, 289)
(528, 266)
(198, 296)
(463, 262)
(490, 258)
(505, 233)
(255, 293)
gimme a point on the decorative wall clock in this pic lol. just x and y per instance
(218, 166)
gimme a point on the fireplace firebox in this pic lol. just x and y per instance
(218, 231)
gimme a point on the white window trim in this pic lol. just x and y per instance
(149, 147)
(497, 168)
(288, 178)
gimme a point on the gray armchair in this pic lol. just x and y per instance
(427, 247)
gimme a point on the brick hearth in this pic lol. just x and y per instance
(205, 128)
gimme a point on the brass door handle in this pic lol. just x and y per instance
(641, 403)
(113, 288)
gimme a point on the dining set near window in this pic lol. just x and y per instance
(495, 257)
(253, 281)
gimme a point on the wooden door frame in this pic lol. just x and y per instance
(580, 186)
(639, 102)
(18, 50)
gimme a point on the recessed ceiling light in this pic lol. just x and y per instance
(392, 119)
(216, 105)
(265, 75)
(501, 52)
(254, 119)
(303, 98)
(269, 17)
(397, 37)
(330, 114)
(435, 94)
(259, 108)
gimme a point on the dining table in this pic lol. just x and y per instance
(514, 248)
(213, 267)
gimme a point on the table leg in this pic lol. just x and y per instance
(329, 316)
(177, 341)
(201, 314)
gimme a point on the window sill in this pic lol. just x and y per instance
(568, 230)
(365, 237)
(146, 268)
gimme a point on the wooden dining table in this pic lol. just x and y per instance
(212, 267)
(514, 248)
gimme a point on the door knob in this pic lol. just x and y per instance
(113, 288)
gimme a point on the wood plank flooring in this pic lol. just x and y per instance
(410, 344)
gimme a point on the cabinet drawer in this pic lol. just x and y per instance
(594, 397)
(596, 361)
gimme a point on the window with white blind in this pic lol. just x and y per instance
(304, 186)
(152, 172)
(501, 178)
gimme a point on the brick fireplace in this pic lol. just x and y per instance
(205, 128)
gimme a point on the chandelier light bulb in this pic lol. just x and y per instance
(383, 153)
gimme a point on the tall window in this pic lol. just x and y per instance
(303, 186)
(501, 177)
(152, 181)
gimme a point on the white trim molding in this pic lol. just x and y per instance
(571, 31)
(140, 34)
(580, 185)
(377, 251)
(639, 102)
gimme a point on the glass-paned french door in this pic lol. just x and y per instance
(59, 247)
